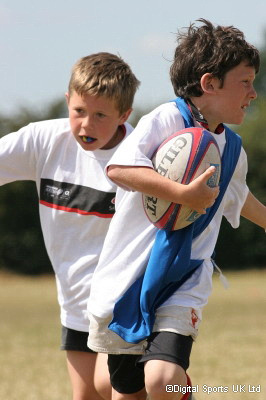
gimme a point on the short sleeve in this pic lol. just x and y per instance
(237, 191)
(151, 131)
(17, 156)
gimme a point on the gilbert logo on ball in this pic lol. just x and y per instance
(182, 157)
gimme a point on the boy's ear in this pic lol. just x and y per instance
(209, 83)
(125, 115)
(67, 97)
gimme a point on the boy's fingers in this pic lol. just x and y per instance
(202, 211)
(209, 172)
(206, 174)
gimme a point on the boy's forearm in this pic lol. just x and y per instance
(146, 180)
(254, 211)
(197, 196)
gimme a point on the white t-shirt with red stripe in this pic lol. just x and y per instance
(76, 204)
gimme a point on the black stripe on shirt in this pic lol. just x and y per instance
(76, 198)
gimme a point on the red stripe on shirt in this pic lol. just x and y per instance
(75, 210)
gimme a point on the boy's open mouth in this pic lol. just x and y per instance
(87, 139)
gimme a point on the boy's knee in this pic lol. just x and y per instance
(101, 377)
(103, 388)
(159, 374)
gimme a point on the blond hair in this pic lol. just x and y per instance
(104, 74)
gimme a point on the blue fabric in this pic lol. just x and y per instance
(185, 112)
(169, 265)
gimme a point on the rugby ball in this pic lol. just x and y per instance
(182, 157)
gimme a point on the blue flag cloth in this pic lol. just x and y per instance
(170, 263)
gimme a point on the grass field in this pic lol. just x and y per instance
(230, 350)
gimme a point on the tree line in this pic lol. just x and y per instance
(21, 243)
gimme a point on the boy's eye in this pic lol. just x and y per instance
(247, 82)
(79, 110)
(100, 115)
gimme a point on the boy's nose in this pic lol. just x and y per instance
(86, 123)
(253, 94)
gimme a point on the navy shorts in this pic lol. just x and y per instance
(127, 371)
(74, 340)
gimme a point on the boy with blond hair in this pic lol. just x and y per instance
(149, 316)
(66, 158)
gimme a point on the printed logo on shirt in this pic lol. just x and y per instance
(194, 318)
(55, 192)
(77, 198)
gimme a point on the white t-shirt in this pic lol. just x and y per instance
(131, 236)
(76, 204)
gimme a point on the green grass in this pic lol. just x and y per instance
(230, 349)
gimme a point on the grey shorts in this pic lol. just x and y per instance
(74, 340)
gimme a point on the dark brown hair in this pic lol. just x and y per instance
(208, 49)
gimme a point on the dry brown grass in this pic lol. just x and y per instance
(32, 366)
(231, 347)
(230, 350)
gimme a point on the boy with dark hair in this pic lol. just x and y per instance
(153, 307)
(66, 158)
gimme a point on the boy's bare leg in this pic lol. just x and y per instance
(141, 395)
(102, 377)
(159, 374)
(81, 368)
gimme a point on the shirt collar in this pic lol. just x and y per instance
(200, 118)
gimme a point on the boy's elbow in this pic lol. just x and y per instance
(121, 175)
(113, 173)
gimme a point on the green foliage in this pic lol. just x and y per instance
(21, 246)
(253, 134)
(260, 82)
(245, 246)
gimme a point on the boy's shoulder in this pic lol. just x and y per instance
(44, 134)
(164, 120)
(49, 130)
(168, 108)
(51, 125)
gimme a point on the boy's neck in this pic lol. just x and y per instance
(117, 138)
(198, 110)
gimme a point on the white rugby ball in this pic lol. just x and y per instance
(182, 157)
